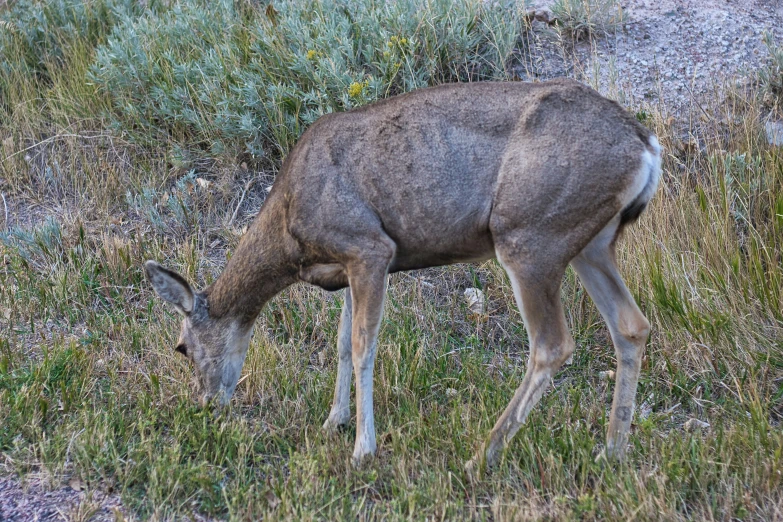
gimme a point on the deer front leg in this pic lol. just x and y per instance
(340, 413)
(368, 288)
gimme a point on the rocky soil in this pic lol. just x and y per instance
(34, 501)
(668, 52)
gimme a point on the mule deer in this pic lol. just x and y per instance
(538, 175)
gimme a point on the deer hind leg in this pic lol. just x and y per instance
(537, 292)
(597, 269)
(340, 413)
(368, 288)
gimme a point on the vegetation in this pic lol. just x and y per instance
(771, 77)
(131, 133)
(582, 18)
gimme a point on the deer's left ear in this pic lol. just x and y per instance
(171, 286)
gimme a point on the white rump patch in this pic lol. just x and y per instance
(649, 171)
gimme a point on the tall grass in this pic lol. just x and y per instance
(771, 76)
(40, 41)
(102, 167)
(582, 18)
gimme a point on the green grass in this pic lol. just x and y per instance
(91, 388)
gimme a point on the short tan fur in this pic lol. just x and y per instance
(538, 175)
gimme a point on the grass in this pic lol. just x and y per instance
(90, 387)
(771, 76)
(582, 18)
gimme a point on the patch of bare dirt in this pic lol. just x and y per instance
(33, 502)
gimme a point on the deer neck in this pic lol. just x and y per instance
(264, 263)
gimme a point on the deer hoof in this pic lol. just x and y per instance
(335, 422)
(363, 452)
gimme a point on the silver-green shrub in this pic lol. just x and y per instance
(223, 78)
(170, 75)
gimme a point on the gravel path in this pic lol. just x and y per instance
(667, 53)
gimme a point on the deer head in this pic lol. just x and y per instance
(216, 345)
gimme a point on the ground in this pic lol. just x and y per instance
(668, 55)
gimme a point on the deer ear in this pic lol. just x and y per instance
(171, 286)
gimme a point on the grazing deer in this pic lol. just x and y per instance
(538, 175)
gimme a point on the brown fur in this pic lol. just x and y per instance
(532, 173)
(437, 153)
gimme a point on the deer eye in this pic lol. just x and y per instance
(181, 348)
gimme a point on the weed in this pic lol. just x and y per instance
(771, 77)
(581, 18)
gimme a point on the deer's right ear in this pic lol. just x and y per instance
(171, 286)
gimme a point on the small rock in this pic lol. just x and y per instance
(695, 424)
(475, 299)
(774, 131)
(646, 408)
(271, 498)
(544, 15)
(606, 376)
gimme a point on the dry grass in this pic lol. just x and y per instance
(580, 19)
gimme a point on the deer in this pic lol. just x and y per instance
(538, 175)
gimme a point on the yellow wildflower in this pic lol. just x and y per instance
(311, 54)
(355, 89)
(403, 41)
